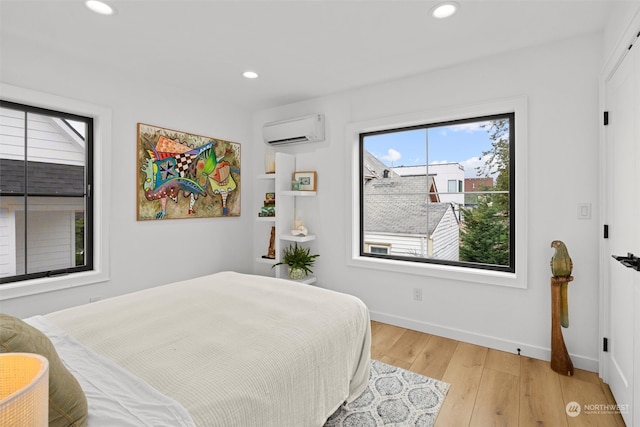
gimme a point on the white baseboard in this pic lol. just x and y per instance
(536, 352)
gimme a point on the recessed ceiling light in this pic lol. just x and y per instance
(445, 10)
(100, 7)
(250, 74)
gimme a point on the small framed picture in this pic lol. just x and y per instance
(307, 180)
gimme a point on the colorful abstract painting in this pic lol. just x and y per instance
(181, 175)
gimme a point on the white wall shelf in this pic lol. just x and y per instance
(266, 219)
(266, 260)
(307, 280)
(297, 193)
(300, 239)
(280, 183)
(266, 176)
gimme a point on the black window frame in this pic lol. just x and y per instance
(89, 226)
(511, 268)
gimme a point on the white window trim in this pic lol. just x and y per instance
(101, 191)
(517, 105)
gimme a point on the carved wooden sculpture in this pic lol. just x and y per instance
(561, 268)
(271, 253)
(560, 359)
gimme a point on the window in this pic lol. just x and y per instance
(46, 203)
(412, 193)
(378, 248)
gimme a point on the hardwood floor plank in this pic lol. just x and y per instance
(541, 402)
(410, 344)
(463, 373)
(491, 387)
(497, 403)
(375, 326)
(583, 375)
(383, 339)
(612, 401)
(502, 361)
(396, 362)
(592, 400)
(435, 357)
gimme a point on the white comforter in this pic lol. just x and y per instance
(115, 397)
(235, 349)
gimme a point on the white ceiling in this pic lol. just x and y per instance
(301, 49)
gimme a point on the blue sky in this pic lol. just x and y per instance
(462, 144)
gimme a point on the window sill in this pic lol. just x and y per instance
(487, 277)
(49, 284)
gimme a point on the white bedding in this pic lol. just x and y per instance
(114, 396)
(235, 349)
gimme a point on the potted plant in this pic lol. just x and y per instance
(299, 261)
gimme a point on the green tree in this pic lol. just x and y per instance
(484, 237)
(498, 161)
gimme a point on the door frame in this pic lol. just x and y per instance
(619, 52)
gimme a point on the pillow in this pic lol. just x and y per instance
(67, 401)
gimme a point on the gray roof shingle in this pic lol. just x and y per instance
(399, 205)
(374, 168)
(48, 179)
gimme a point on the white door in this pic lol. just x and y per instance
(622, 214)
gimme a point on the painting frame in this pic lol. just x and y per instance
(182, 175)
(307, 179)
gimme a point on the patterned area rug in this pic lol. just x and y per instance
(394, 397)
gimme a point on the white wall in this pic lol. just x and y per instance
(619, 33)
(561, 83)
(143, 254)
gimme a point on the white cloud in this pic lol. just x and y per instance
(392, 156)
(471, 164)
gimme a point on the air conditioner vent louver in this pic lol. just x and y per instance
(289, 140)
(294, 131)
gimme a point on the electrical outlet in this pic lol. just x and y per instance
(417, 294)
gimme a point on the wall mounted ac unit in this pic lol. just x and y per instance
(294, 131)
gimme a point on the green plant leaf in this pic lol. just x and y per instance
(298, 257)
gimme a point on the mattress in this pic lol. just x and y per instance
(234, 349)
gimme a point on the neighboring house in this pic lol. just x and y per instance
(449, 179)
(55, 189)
(472, 185)
(400, 219)
(374, 168)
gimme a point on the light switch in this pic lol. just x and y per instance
(584, 210)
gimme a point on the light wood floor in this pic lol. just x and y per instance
(491, 387)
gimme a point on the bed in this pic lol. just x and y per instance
(227, 349)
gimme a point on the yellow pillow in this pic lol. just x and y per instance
(67, 401)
